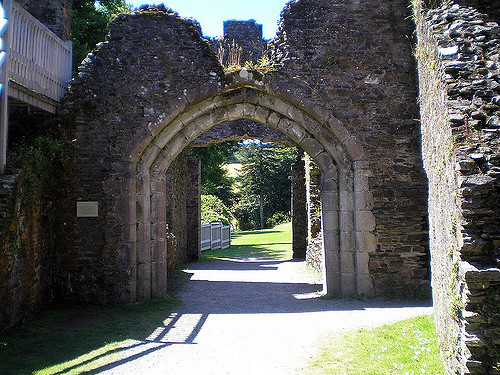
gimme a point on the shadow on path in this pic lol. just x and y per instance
(243, 287)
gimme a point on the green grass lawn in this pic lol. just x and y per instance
(408, 347)
(275, 243)
(74, 340)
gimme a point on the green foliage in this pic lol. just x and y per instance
(213, 209)
(265, 180)
(42, 162)
(214, 180)
(278, 218)
(89, 22)
(407, 347)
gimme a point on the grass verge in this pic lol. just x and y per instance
(275, 243)
(78, 339)
(409, 347)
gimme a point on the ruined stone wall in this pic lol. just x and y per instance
(144, 83)
(356, 59)
(240, 37)
(29, 260)
(55, 14)
(24, 280)
(489, 8)
(458, 63)
(183, 208)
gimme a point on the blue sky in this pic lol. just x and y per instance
(211, 13)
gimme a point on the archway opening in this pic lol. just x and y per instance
(345, 221)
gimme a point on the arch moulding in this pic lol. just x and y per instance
(347, 221)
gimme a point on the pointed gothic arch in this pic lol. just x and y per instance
(346, 218)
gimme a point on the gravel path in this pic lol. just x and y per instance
(256, 316)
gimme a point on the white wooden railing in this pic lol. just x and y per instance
(39, 61)
(37, 67)
(215, 236)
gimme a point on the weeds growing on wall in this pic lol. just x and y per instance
(229, 56)
(41, 163)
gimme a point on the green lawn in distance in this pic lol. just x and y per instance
(409, 347)
(78, 339)
(274, 243)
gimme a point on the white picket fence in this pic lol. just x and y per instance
(215, 236)
(39, 61)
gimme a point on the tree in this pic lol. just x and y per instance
(89, 24)
(214, 180)
(265, 181)
(213, 209)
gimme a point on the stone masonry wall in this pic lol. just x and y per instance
(356, 59)
(55, 14)
(146, 81)
(459, 66)
(183, 209)
(27, 254)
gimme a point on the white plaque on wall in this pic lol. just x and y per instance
(87, 209)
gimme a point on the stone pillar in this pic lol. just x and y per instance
(299, 211)
(158, 236)
(314, 252)
(193, 208)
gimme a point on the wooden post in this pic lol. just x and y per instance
(4, 80)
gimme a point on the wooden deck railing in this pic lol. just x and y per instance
(37, 66)
(39, 61)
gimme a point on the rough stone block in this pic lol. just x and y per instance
(330, 173)
(361, 262)
(329, 201)
(348, 283)
(159, 280)
(261, 115)
(365, 221)
(347, 262)
(311, 146)
(346, 200)
(366, 241)
(361, 183)
(353, 148)
(295, 132)
(144, 281)
(330, 220)
(331, 242)
(364, 284)
(329, 185)
(338, 129)
(363, 201)
(143, 251)
(347, 239)
(158, 230)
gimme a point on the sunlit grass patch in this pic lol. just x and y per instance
(79, 339)
(408, 347)
(272, 243)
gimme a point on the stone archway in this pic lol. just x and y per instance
(346, 221)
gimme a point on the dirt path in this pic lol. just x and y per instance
(250, 317)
